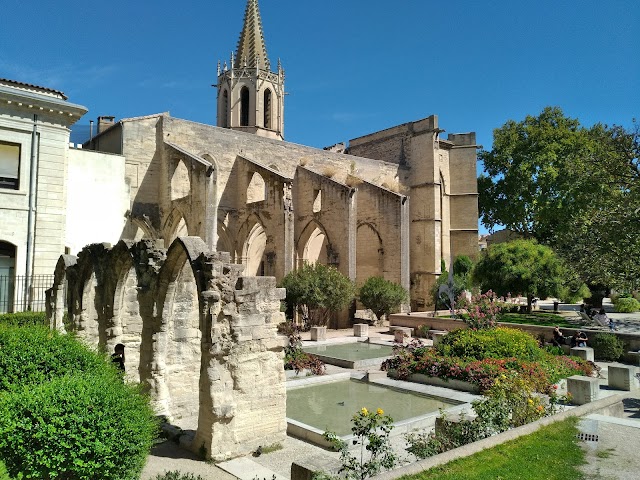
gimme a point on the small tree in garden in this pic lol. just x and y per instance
(482, 310)
(317, 290)
(382, 296)
(371, 431)
(521, 267)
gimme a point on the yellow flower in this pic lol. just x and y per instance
(530, 402)
(380, 412)
(503, 376)
(364, 411)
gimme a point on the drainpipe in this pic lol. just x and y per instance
(33, 184)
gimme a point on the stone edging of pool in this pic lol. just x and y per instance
(314, 435)
(356, 364)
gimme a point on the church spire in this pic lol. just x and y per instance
(252, 50)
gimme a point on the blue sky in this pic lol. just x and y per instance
(352, 66)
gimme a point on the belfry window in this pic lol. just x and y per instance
(267, 109)
(244, 107)
(225, 109)
(9, 166)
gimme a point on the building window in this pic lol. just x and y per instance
(9, 166)
(244, 107)
(225, 109)
(267, 108)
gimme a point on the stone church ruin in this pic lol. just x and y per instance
(199, 337)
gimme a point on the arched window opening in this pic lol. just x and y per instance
(317, 201)
(267, 109)
(315, 250)
(257, 190)
(254, 251)
(225, 109)
(244, 107)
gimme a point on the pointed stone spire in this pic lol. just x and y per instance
(251, 46)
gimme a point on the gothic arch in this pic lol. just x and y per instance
(314, 244)
(253, 249)
(244, 107)
(175, 226)
(58, 298)
(180, 180)
(176, 331)
(225, 244)
(256, 189)
(369, 253)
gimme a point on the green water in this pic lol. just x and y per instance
(352, 351)
(330, 406)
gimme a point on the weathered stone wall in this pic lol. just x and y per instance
(201, 338)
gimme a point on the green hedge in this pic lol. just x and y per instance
(490, 343)
(65, 412)
(627, 305)
(23, 319)
(607, 346)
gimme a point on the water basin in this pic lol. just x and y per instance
(330, 406)
(352, 355)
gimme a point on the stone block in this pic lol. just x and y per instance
(635, 356)
(437, 336)
(622, 377)
(361, 330)
(583, 389)
(402, 334)
(318, 334)
(585, 353)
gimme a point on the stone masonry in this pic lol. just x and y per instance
(201, 338)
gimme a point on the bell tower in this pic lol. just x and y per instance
(250, 95)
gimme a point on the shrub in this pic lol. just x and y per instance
(627, 305)
(607, 346)
(294, 357)
(23, 319)
(33, 355)
(177, 475)
(482, 310)
(82, 426)
(382, 296)
(490, 343)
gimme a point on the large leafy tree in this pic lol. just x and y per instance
(576, 189)
(317, 290)
(521, 267)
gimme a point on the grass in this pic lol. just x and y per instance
(551, 453)
(537, 318)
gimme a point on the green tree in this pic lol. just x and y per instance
(382, 296)
(521, 267)
(317, 290)
(573, 188)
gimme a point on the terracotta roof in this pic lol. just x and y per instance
(251, 46)
(30, 85)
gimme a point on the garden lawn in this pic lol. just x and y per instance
(546, 319)
(551, 453)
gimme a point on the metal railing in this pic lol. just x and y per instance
(20, 293)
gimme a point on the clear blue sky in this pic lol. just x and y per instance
(352, 66)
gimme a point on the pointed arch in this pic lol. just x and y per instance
(225, 243)
(177, 333)
(180, 180)
(175, 226)
(257, 188)
(253, 251)
(58, 298)
(313, 244)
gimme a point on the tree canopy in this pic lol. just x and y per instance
(574, 188)
(521, 267)
(318, 290)
(382, 296)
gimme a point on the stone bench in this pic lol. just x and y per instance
(622, 377)
(361, 330)
(583, 389)
(585, 353)
(437, 336)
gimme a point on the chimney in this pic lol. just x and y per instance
(105, 122)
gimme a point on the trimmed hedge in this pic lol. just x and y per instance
(490, 343)
(607, 346)
(65, 412)
(627, 305)
(23, 319)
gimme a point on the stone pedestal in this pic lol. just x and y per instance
(622, 377)
(585, 353)
(437, 336)
(402, 334)
(361, 330)
(583, 389)
(318, 334)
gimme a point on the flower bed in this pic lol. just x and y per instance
(540, 374)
